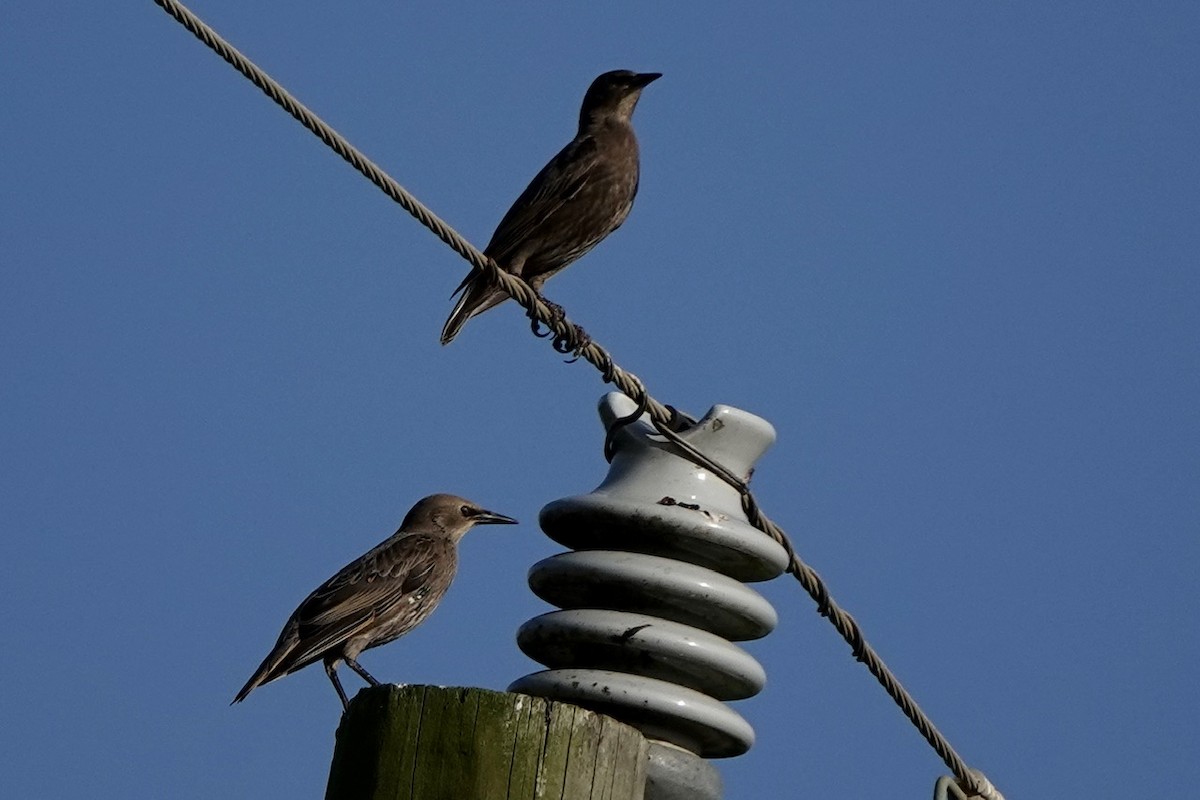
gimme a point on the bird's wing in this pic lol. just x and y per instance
(361, 592)
(558, 182)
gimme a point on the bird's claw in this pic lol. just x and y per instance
(574, 341)
(557, 317)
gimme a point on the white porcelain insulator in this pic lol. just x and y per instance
(654, 596)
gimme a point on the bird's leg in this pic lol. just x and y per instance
(331, 671)
(354, 665)
(557, 314)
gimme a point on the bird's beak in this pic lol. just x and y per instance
(646, 78)
(491, 518)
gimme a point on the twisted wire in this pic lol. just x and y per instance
(569, 338)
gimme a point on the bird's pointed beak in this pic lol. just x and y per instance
(646, 78)
(491, 518)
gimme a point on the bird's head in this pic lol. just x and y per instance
(449, 515)
(614, 95)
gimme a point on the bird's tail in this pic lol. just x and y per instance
(476, 295)
(269, 669)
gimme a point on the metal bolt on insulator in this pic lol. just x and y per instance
(653, 596)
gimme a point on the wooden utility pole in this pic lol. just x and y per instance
(434, 743)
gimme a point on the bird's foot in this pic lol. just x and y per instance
(557, 315)
(575, 341)
(572, 341)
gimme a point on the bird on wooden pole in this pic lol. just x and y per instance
(580, 197)
(378, 597)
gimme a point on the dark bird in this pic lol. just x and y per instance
(378, 597)
(581, 196)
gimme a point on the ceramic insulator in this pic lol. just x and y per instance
(655, 594)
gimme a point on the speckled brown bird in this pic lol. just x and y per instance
(580, 197)
(378, 597)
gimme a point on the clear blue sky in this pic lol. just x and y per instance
(950, 250)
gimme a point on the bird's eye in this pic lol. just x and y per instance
(466, 511)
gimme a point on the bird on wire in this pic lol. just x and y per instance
(580, 197)
(378, 597)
